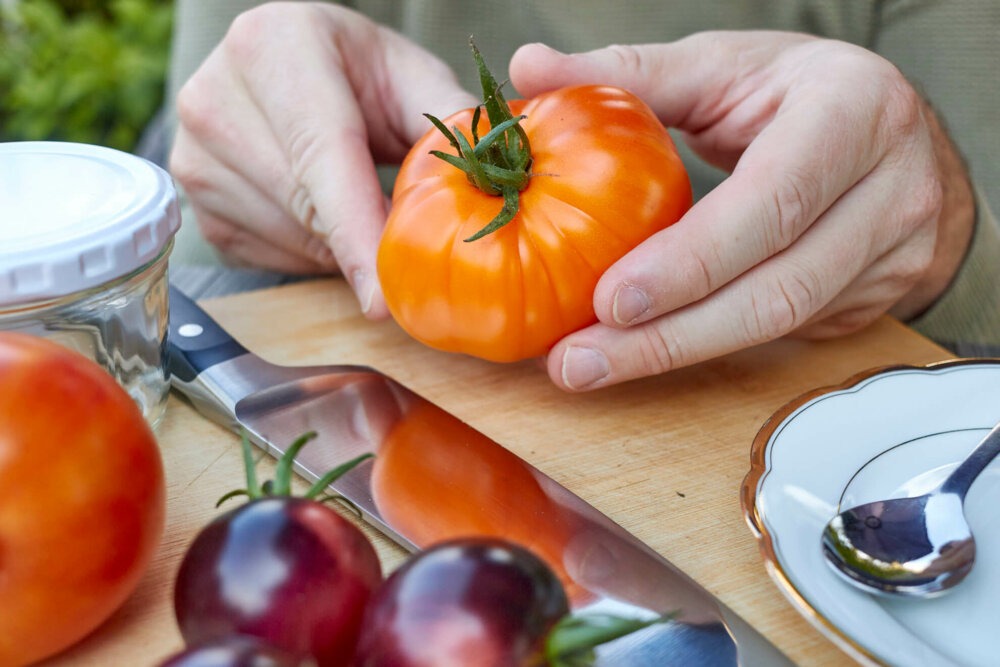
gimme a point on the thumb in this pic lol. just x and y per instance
(687, 83)
(657, 73)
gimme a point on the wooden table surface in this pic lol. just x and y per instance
(664, 457)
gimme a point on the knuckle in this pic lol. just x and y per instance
(902, 108)
(910, 266)
(316, 249)
(658, 350)
(926, 199)
(301, 208)
(193, 107)
(251, 28)
(185, 173)
(627, 58)
(190, 173)
(702, 270)
(791, 205)
(251, 32)
(785, 305)
(201, 108)
(840, 323)
(223, 236)
(703, 273)
(303, 147)
(849, 321)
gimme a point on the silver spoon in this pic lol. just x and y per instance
(917, 547)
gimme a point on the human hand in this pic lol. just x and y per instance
(845, 200)
(281, 129)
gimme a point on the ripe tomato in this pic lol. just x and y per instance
(480, 602)
(82, 502)
(287, 570)
(472, 603)
(603, 176)
(235, 651)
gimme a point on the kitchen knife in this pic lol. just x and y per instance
(435, 477)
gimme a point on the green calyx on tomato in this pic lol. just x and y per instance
(281, 485)
(320, 571)
(604, 176)
(571, 642)
(499, 162)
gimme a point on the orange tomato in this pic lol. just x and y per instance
(603, 176)
(82, 497)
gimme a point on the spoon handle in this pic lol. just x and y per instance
(965, 474)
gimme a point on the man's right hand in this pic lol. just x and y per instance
(280, 130)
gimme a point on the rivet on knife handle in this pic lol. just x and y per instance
(197, 342)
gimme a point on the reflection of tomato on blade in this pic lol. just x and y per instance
(436, 478)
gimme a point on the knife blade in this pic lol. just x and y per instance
(435, 477)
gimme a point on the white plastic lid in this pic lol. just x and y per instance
(75, 216)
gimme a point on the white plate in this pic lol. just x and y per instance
(885, 433)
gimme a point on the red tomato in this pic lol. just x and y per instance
(82, 501)
(603, 176)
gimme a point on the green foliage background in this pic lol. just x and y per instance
(90, 71)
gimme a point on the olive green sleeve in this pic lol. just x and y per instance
(968, 313)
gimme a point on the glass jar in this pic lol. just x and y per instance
(85, 235)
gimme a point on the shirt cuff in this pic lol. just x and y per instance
(969, 310)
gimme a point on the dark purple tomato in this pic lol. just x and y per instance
(463, 603)
(288, 570)
(236, 651)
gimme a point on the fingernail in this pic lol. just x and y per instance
(629, 304)
(364, 289)
(583, 366)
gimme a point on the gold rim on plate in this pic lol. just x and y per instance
(758, 469)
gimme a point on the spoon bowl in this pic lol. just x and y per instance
(887, 546)
(920, 546)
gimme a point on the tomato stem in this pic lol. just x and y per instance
(498, 163)
(253, 488)
(572, 641)
(281, 485)
(332, 476)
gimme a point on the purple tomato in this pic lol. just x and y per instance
(288, 570)
(463, 603)
(236, 651)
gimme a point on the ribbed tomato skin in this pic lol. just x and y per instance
(605, 176)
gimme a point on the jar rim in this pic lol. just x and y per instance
(75, 216)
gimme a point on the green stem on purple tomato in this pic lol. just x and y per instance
(281, 485)
(572, 641)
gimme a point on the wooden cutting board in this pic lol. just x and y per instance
(664, 457)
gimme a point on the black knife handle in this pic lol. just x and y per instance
(195, 342)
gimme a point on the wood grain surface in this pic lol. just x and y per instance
(664, 457)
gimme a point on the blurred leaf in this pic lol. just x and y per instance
(82, 70)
